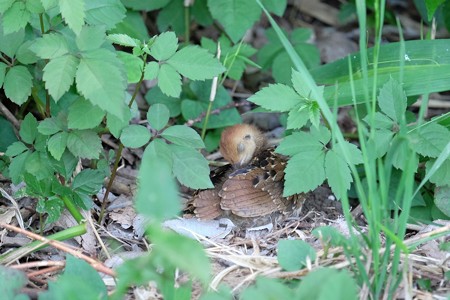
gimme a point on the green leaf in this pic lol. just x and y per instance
(298, 142)
(17, 166)
(169, 245)
(276, 6)
(73, 12)
(35, 6)
(90, 38)
(294, 254)
(115, 125)
(340, 285)
(39, 165)
(402, 154)
(306, 162)
(12, 281)
(267, 289)
(157, 197)
(57, 144)
(59, 74)
(52, 206)
(158, 116)
(164, 46)
(155, 95)
(15, 18)
(196, 63)
(159, 148)
(25, 55)
(88, 181)
(84, 144)
(9, 43)
(381, 141)
(236, 16)
(183, 136)
(28, 129)
(151, 70)
(276, 97)
(190, 167)
(432, 5)
(429, 140)
(106, 13)
(51, 45)
(169, 81)
(2, 72)
(338, 174)
(15, 149)
(78, 277)
(392, 100)
(442, 176)
(172, 17)
(84, 115)
(123, 40)
(132, 64)
(18, 84)
(135, 136)
(100, 79)
(5, 4)
(354, 153)
(49, 126)
(442, 199)
(380, 121)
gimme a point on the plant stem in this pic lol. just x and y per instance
(72, 209)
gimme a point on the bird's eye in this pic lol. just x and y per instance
(247, 137)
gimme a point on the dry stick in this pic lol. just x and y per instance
(31, 275)
(37, 264)
(8, 115)
(61, 246)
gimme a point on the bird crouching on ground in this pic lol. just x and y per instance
(249, 191)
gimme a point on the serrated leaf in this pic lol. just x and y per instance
(25, 55)
(100, 79)
(307, 162)
(9, 43)
(155, 95)
(115, 125)
(402, 155)
(160, 149)
(190, 167)
(266, 289)
(442, 199)
(39, 165)
(106, 13)
(57, 144)
(84, 144)
(276, 6)
(84, 115)
(90, 38)
(51, 45)
(2, 72)
(183, 136)
(297, 117)
(353, 151)
(294, 254)
(158, 116)
(337, 173)
(17, 166)
(59, 74)
(88, 181)
(236, 16)
(135, 136)
(429, 140)
(392, 100)
(49, 126)
(196, 63)
(314, 113)
(5, 4)
(123, 40)
(164, 46)
(169, 81)
(380, 121)
(52, 206)
(157, 197)
(151, 70)
(15, 18)
(35, 6)
(298, 142)
(276, 97)
(15, 149)
(340, 285)
(18, 84)
(442, 175)
(28, 129)
(132, 64)
(73, 12)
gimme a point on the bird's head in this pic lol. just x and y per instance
(240, 143)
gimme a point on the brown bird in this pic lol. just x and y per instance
(249, 191)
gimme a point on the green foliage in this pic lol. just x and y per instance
(295, 254)
(79, 280)
(11, 282)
